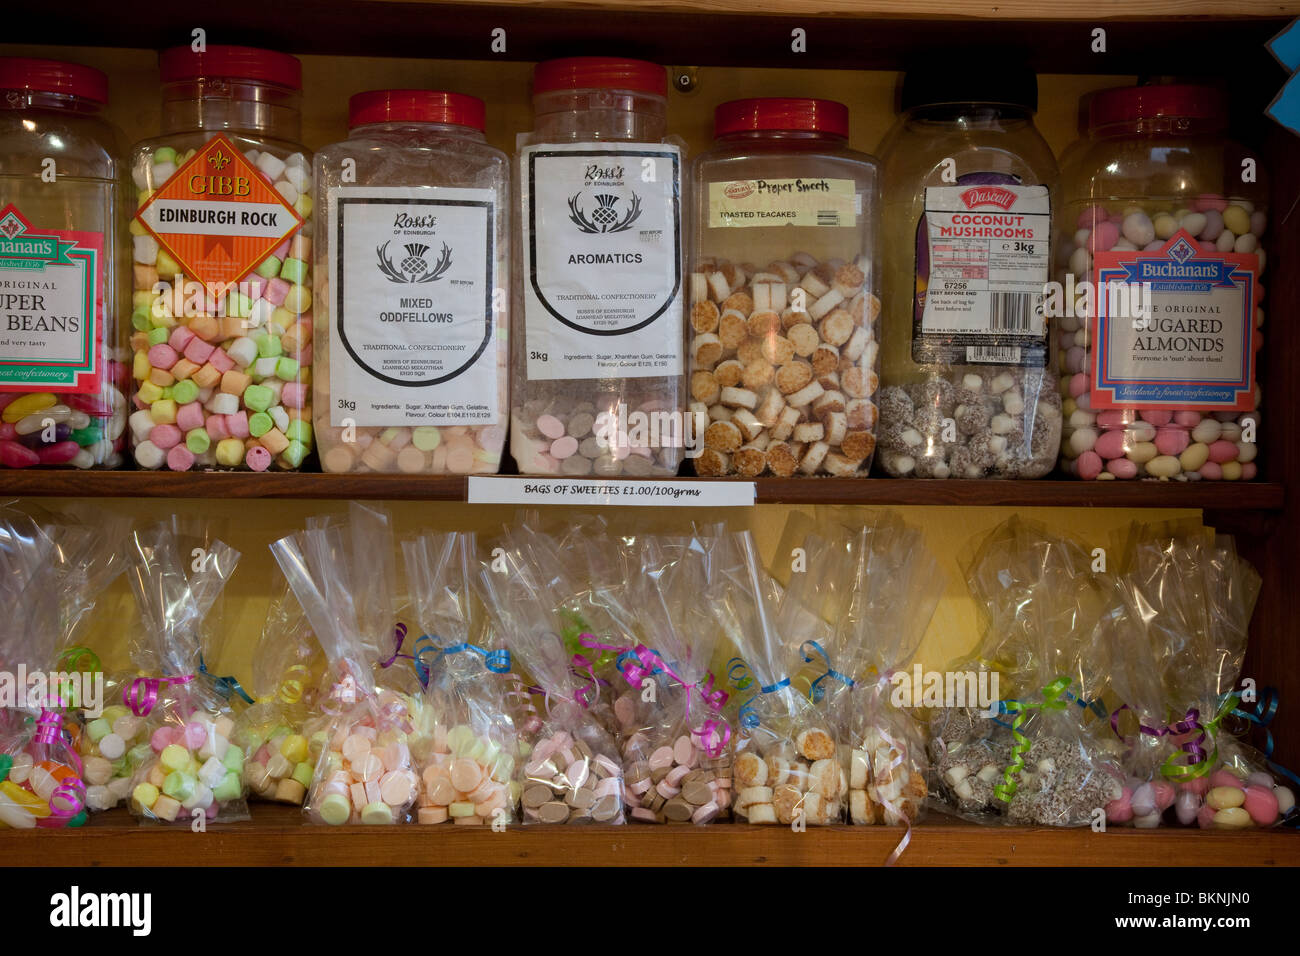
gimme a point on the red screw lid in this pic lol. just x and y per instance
(416, 106)
(1127, 103)
(231, 63)
(600, 73)
(53, 76)
(781, 113)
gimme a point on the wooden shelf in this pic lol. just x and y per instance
(840, 34)
(1216, 496)
(279, 837)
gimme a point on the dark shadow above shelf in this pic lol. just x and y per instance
(1218, 496)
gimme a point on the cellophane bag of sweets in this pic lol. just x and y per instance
(884, 587)
(787, 768)
(63, 266)
(969, 188)
(50, 576)
(573, 773)
(411, 273)
(1176, 650)
(277, 731)
(193, 768)
(364, 773)
(466, 751)
(784, 293)
(1040, 759)
(596, 358)
(677, 757)
(221, 252)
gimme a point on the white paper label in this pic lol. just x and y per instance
(412, 338)
(491, 490)
(602, 260)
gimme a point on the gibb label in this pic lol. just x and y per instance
(602, 260)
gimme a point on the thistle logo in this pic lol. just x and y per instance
(413, 268)
(605, 218)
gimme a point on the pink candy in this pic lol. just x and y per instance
(165, 436)
(276, 290)
(1261, 804)
(1122, 468)
(1172, 441)
(237, 424)
(1089, 465)
(198, 350)
(1121, 809)
(180, 458)
(258, 458)
(163, 356)
(1222, 451)
(294, 395)
(1110, 444)
(1103, 237)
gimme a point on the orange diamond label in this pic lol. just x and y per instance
(217, 215)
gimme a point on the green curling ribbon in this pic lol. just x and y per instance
(571, 634)
(1051, 701)
(74, 659)
(1201, 762)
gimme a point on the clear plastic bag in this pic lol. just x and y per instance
(876, 585)
(787, 768)
(276, 732)
(573, 774)
(1037, 759)
(364, 773)
(1176, 644)
(677, 754)
(466, 754)
(193, 769)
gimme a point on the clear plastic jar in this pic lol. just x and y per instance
(596, 363)
(783, 293)
(63, 371)
(222, 267)
(1159, 302)
(968, 185)
(411, 331)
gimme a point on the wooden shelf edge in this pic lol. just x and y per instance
(1243, 496)
(279, 837)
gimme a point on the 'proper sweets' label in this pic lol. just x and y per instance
(412, 331)
(824, 203)
(982, 255)
(51, 307)
(1193, 346)
(602, 260)
(217, 215)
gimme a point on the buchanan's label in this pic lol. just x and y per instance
(412, 341)
(824, 203)
(602, 260)
(217, 216)
(1192, 347)
(981, 264)
(51, 307)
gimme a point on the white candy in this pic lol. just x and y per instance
(1138, 229)
(270, 165)
(141, 423)
(1194, 223)
(148, 455)
(146, 249)
(288, 190)
(223, 403)
(243, 351)
(279, 416)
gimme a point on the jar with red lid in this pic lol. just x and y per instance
(410, 305)
(222, 313)
(596, 363)
(1159, 301)
(783, 293)
(64, 368)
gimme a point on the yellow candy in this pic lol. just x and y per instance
(298, 299)
(294, 748)
(150, 393)
(27, 405)
(230, 452)
(145, 794)
(1233, 818)
(303, 206)
(1236, 219)
(162, 411)
(140, 367)
(1231, 470)
(167, 266)
(1225, 798)
(137, 229)
(25, 799)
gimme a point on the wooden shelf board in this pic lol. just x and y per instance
(1247, 496)
(279, 837)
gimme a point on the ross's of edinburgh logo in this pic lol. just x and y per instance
(413, 268)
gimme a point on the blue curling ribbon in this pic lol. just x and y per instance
(621, 662)
(816, 691)
(1265, 710)
(225, 685)
(498, 661)
(1094, 705)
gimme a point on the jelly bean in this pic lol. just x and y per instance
(1261, 803)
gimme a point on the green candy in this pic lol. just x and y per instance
(159, 336)
(6, 763)
(197, 440)
(87, 436)
(258, 397)
(139, 754)
(286, 368)
(234, 759)
(293, 270)
(140, 320)
(302, 773)
(79, 820)
(228, 789)
(179, 786)
(167, 392)
(259, 424)
(268, 346)
(293, 453)
(299, 430)
(98, 729)
(239, 306)
(164, 154)
(121, 766)
(185, 391)
(268, 268)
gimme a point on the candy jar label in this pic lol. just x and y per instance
(1193, 349)
(603, 260)
(51, 306)
(411, 275)
(218, 215)
(819, 203)
(982, 262)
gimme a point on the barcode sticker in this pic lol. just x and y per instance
(999, 354)
(828, 217)
(1011, 312)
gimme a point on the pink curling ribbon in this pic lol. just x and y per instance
(532, 723)
(895, 807)
(69, 797)
(142, 693)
